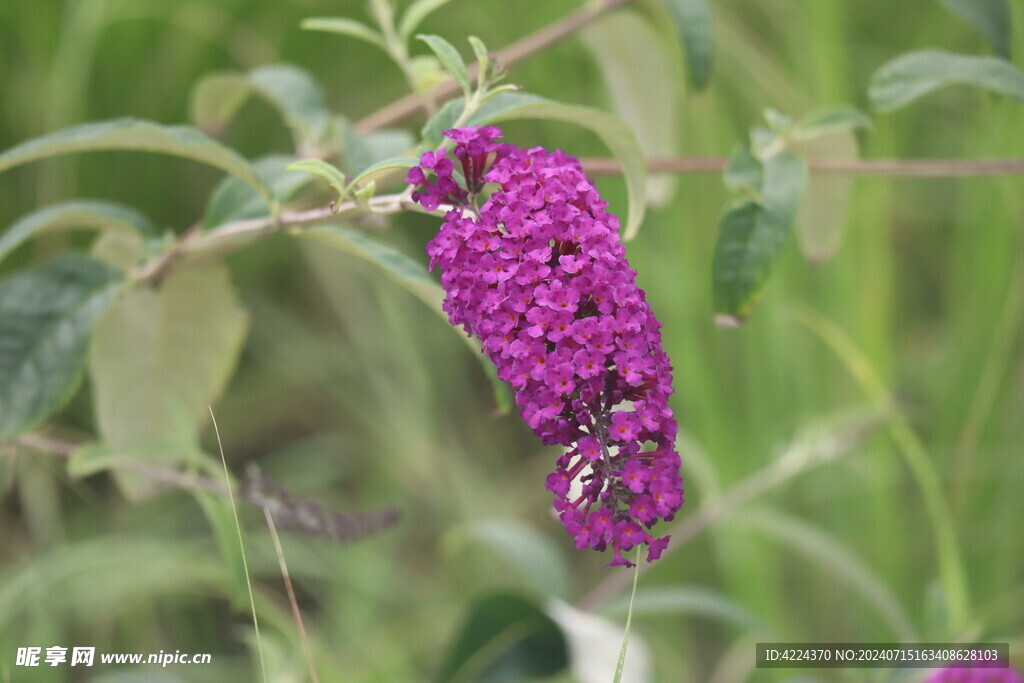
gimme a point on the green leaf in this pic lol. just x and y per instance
(345, 27)
(412, 276)
(137, 135)
(89, 214)
(332, 174)
(397, 162)
(639, 61)
(159, 358)
(829, 121)
(523, 547)
(823, 214)
(479, 49)
(450, 59)
(286, 87)
(414, 16)
(694, 20)
(778, 123)
(217, 510)
(505, 638)
(619, 138)
(362, 151)
(46, 316)
(752, 235)
(916, 74)
(991, 17)
(233, 200)
(744, 172)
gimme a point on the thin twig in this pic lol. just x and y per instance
(540, 40)
(296, 614)
(907, 168)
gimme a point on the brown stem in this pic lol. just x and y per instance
(907, 168)
(536, 42)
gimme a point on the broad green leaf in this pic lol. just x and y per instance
(46, 316)
(345, 27)
(991, 17)
(523, 547)
(412, 276)
(362, 151)
(829, 121)
(234, 200)
(505, 637)
(332, 174)
(159, 358)
(450, 59)
(137, 135)
(752, 236)
(694, 20)
(619, 138)
(286, 87)
(688, 600)
(89, 214)
(414, 16)
(916, 74)
(639, 60)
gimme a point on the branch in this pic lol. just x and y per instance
(906, 168)
(540, 40)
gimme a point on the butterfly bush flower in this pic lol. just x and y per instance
(538, 274)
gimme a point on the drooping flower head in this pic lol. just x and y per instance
(538, 274)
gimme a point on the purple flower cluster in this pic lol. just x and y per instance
(966, 674)
(539, 275)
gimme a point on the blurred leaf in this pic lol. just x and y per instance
(778, 123)
(991, 17)
(752, 236)
(505, 638)
(233, 200)
(828, 121)
(90, 214)
(134, 134)
(288, 88)
(417, 12)
(345, 27)
(688, 600)
(820, 547)
(594, 646)
(619, 138)
(522, 546)
(159, 358)
(642, 72)
(450, 59)
(694, 20)
(824, 212)
(397, 162)
(413, 277)
(362, 151)
(332, 174)
(46, 316)
(222, 522)
(744, 173)
(916, 74)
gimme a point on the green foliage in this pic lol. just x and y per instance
(89, 214)
(505, 637)
(694, 21)
(916, 74)
(828, 121)
(346, 27)
(159, 358)
(752, 235)
(450, 59)
(991, 17)
(46, 314)
(136, 135)
(234, 200)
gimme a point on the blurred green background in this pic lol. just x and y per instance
(351, 392)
